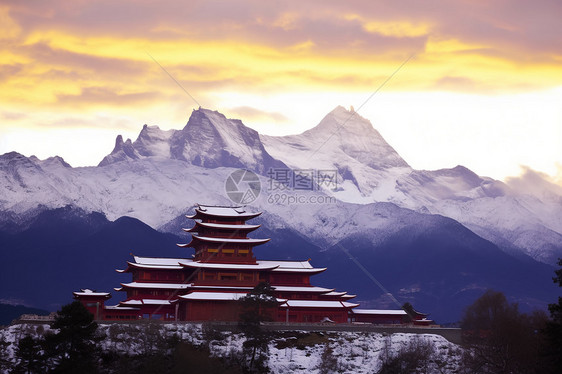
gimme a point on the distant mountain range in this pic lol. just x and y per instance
(434, 238)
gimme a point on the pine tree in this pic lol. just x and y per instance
(257, 307)
(74, 346)
(553, 330)
(28, 356)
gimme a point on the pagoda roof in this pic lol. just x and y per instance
(168, 286)
(221, 287)
(348, 296)
(222, 226)
(165, 261)
(149, 266)
(145, 302)
(88, 292)
(218, 296)
(223, 296)
(303, 289)
(399, 312)
(318, 304)
(119, 307)
(223, 211)
(212, 265)
(292, 266)
(334, 293)
(224, 240)
(180, 263)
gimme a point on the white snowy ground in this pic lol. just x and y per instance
(351, 352)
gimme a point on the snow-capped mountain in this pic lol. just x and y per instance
(161, 174)
(209, 139)
(348, 143)
(401, 224)
(370, 170)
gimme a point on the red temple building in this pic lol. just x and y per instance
(222, 270)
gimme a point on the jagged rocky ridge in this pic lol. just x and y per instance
(162, 173)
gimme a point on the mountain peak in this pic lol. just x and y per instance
(356, 137)
(152, 141)
(209, 139)
(121, 152)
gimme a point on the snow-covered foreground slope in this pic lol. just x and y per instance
(341, 352)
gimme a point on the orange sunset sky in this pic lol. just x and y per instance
(483, 88)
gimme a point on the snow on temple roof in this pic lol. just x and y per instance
(149, 266)
(223, 287)
(218, 296)
(289, 264)
(174, 286)
(334, 293)
(302, 289)
(88, 292)
(225, 240)
(210, 265)
(292, 266)
(158, 260)
(223, 211)
(223, 226)
(297, 270)
(145, 302)
(318, 304)
(213, 296)
(379, 311)
(119, 307)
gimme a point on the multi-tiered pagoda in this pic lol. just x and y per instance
(222, 270)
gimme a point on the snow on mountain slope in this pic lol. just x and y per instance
(162, 173)
(157, 190)
(348, 143)
(209, 139)
(369, 170)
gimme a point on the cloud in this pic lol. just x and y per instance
(537, 183)
(86, 64)
(106, 96)
(254, 114)
(457, 83)
(13, 116)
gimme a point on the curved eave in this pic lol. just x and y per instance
(334, 293)
(319, 304)
(199, 214)
(221, 226)
(117, 307)
(307, 271)
(160, 286)
(105, 295)
(318, 290)
(424, 315)
(149, 266)
(210, 265)
(206, 239)
(145, 302)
